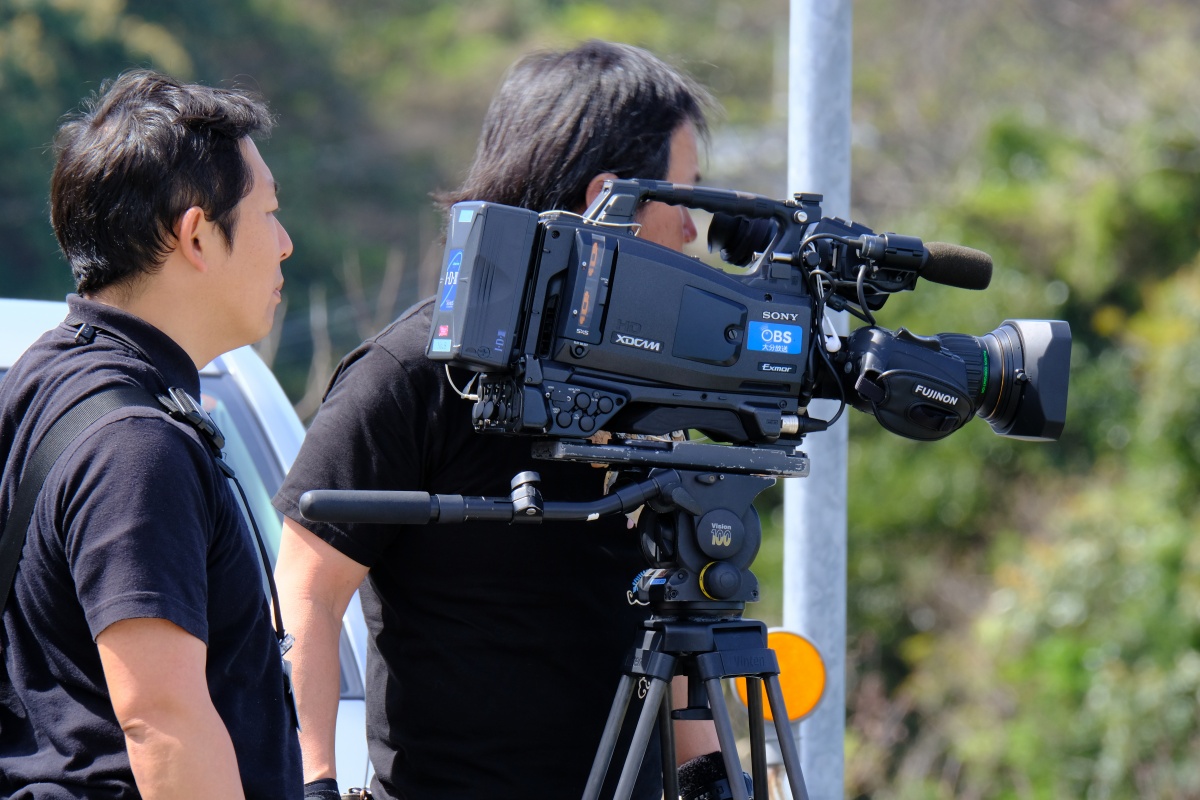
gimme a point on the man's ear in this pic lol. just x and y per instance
(595, 185)
(195, 237)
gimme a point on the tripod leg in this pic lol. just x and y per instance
(787, 744)
(758, 743)
(608, 742)
(720, 712)
(641, 737)
(666, 733)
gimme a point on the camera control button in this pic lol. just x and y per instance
(604, 404)
(563, 419)
(586, 424)
(582, 400)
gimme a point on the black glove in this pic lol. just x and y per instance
(703, 778)
(323, 789)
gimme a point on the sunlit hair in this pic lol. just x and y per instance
(561, 118)
(142, 151)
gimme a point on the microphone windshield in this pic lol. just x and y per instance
(955, 265)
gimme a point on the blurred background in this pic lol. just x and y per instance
(1024, 618)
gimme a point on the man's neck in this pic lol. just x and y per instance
(180, 322)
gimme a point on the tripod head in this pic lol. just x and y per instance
(700, 541)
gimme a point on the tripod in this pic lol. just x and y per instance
(699, 534)
(705, 651)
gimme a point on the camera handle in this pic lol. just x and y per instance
(524, 505)
(619, 200)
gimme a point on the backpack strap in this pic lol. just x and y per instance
(64, 431)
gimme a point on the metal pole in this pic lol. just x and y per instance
(819, 90)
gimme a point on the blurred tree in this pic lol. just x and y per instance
(379, 104)
(1000, 590)
(51, 55)
(1079, 676)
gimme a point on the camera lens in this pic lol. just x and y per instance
(1003, 372)
(1017, 376)
(739, 238)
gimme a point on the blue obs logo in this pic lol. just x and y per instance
(769, 338)
(450, 287)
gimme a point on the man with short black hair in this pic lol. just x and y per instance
(139, 658)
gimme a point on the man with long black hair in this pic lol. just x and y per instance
(139, 658)
(494, 650)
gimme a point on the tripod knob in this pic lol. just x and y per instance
(720, 534)
(720, 580)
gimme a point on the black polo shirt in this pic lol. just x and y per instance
(135, 520)
(495, 650)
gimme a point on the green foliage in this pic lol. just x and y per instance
(1042, 607)
(1079, 676)
(379, 105)
(51, 55)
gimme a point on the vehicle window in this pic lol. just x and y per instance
(249, 454)
(259, 487)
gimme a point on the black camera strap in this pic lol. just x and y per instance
(64, 431)
(180, 406)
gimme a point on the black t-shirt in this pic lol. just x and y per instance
(135, 520)
(495, 650)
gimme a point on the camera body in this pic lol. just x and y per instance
(575, 325)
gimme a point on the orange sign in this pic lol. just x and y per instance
(801, 675)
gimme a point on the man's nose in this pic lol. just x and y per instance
(689, 227)
(285, 242)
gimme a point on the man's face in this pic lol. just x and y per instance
(672, 226)
(251, 278)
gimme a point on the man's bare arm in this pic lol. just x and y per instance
(315, 584)
(692, 737)
(178, 745)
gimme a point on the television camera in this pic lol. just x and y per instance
(578, 330)
(575, 325)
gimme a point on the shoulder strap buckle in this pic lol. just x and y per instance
(181, 406)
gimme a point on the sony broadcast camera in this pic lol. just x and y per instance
(575, 325)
